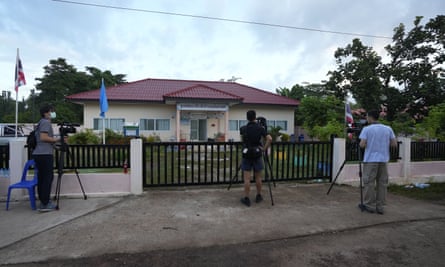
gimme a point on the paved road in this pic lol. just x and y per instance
(209, 227)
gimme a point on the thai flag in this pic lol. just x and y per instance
(19, 74)
(348, 115)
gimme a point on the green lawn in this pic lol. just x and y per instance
(435, 192)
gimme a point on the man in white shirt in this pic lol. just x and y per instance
(376, 139)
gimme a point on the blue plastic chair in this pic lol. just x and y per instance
(24, 183)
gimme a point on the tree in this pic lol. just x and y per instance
(417, 58)
(62, 79)
(321, 112)
(358, 73)
(434, 124)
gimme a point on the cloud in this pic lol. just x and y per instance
(148, 45)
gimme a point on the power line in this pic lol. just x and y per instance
(221, 19)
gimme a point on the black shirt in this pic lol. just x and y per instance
(252, 133)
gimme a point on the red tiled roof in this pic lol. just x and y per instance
(202, 92)
(157, 90)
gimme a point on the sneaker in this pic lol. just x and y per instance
(363, 207)
(259, 198)
(245, 201)
(380, 211)
(48, 207)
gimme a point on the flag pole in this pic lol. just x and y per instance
(103, 130)
(16, 91)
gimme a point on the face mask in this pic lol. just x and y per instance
(53, 115)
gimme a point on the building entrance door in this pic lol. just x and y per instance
(198, 130)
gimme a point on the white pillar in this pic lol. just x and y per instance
(339, 156)
(17, 159)
(405, 154)
(136, 164)
(178, 124)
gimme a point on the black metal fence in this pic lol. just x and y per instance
(430, 151)
(201, 163)
(94, 156)
(4, 156)
(198, 163)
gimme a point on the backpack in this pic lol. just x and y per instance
(31, 140)
(251, 151)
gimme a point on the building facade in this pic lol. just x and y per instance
(185, 110)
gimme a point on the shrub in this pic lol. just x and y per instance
(85, 137)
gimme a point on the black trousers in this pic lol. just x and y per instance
(45, 176)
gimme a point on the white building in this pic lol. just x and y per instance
(185, 110)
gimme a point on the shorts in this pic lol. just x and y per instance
(255, 164)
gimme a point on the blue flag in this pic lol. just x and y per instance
(103, 100)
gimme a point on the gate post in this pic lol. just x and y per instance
(405, 154)
(136, 166)
(339, 155)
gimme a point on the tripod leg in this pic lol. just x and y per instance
(234, 178)
(336, 176)
(267, 177)
(58, 184)
(361, 184)
(80, 183)
(270, 169)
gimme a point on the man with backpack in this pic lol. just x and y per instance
(252, 135)
(43, 156)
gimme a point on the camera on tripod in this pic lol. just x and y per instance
(67, 128)
(357, 127)
(262, 122)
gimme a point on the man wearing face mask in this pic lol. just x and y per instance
(44, 158)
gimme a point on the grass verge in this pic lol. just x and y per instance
(435, 192)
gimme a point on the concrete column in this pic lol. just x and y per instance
(405, 154)
(178, 124)
(339, 156)
(17, 159)
(136, 166)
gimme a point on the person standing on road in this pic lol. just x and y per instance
(252, 135)
(44, 158)
(376, 139)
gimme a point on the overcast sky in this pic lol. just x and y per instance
(143, 44)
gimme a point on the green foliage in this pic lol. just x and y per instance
(333, 127)
(274, 132)
(318, 112)
(152, 138)
(85, 137)
(285, 137)
(62, 79)
(433, 126)
(359, 73)
(114, 138)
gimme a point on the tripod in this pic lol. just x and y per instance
(267, 169)
(64, 149)
(359, 174)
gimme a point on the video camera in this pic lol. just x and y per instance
(357, 127)
(262, 122)
(66, 128)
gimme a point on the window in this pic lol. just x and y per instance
(147, 125)
(276, 123)
(282, 124)
(235, 125)
(154, 125)
(113, 124)
(162, 125)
